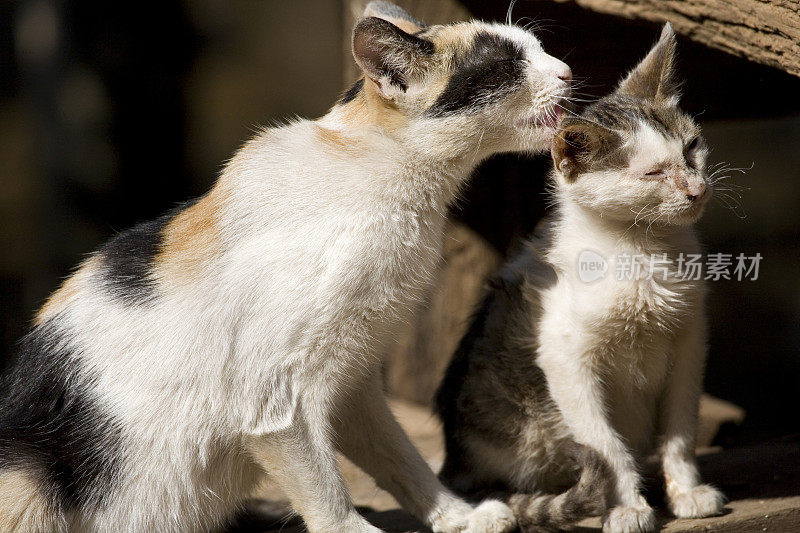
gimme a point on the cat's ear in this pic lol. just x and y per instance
(389, 56)
(573, 146)
(395, 14)
(655, 78)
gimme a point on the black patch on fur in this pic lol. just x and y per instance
(352, 92)
(128, 259)
(624, 113)
(492, 68)
(52, 428)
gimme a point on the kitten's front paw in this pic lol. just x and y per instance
(638, 519)
(699, 502)
(491, 516)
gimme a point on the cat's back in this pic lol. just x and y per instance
(493, 398)
(503, 326)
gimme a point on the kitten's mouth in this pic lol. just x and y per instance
(694, 208)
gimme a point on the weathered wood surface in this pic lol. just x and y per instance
(765, 31)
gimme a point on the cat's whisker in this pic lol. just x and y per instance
(573, 98)
(650, 226)
(509, 11)
(478, 149)
(582, 118)
(728, 192)
(645, 211)
(585, 94)
(537, 25)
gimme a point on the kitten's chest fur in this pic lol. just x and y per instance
(633, 325)
(626, 329)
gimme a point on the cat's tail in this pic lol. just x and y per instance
(588, 497)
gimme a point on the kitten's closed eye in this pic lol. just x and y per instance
(655, 174)
(690, 151)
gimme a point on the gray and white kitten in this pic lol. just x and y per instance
(613, 366)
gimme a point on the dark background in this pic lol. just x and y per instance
(112, 112)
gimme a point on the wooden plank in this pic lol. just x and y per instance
(765, 31)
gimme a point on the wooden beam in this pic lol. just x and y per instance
(765, 31)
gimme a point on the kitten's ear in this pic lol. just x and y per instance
(389, 56)
(395, 14)
(655, 78)
(572, 148)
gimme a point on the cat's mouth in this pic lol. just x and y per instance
(547, 118)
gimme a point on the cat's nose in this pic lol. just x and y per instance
(565, 74)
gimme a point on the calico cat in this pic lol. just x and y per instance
(242, 333)
(567, 379)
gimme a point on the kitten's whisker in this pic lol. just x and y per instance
(730, 192)
(650, 226)
(645, 211)
(731, 203)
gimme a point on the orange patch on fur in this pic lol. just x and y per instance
(369, 108)
(190, 241)
(68, 291)
(336, 140)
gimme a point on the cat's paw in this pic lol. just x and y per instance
(491, 516)
(452, 518)
(699, 502)
(634, 519)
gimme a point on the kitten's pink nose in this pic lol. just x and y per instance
(565, 75)
(693, 193)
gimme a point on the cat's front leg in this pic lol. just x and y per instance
(369, 435)
(577, 389)
(302, 461)
(688, 498)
